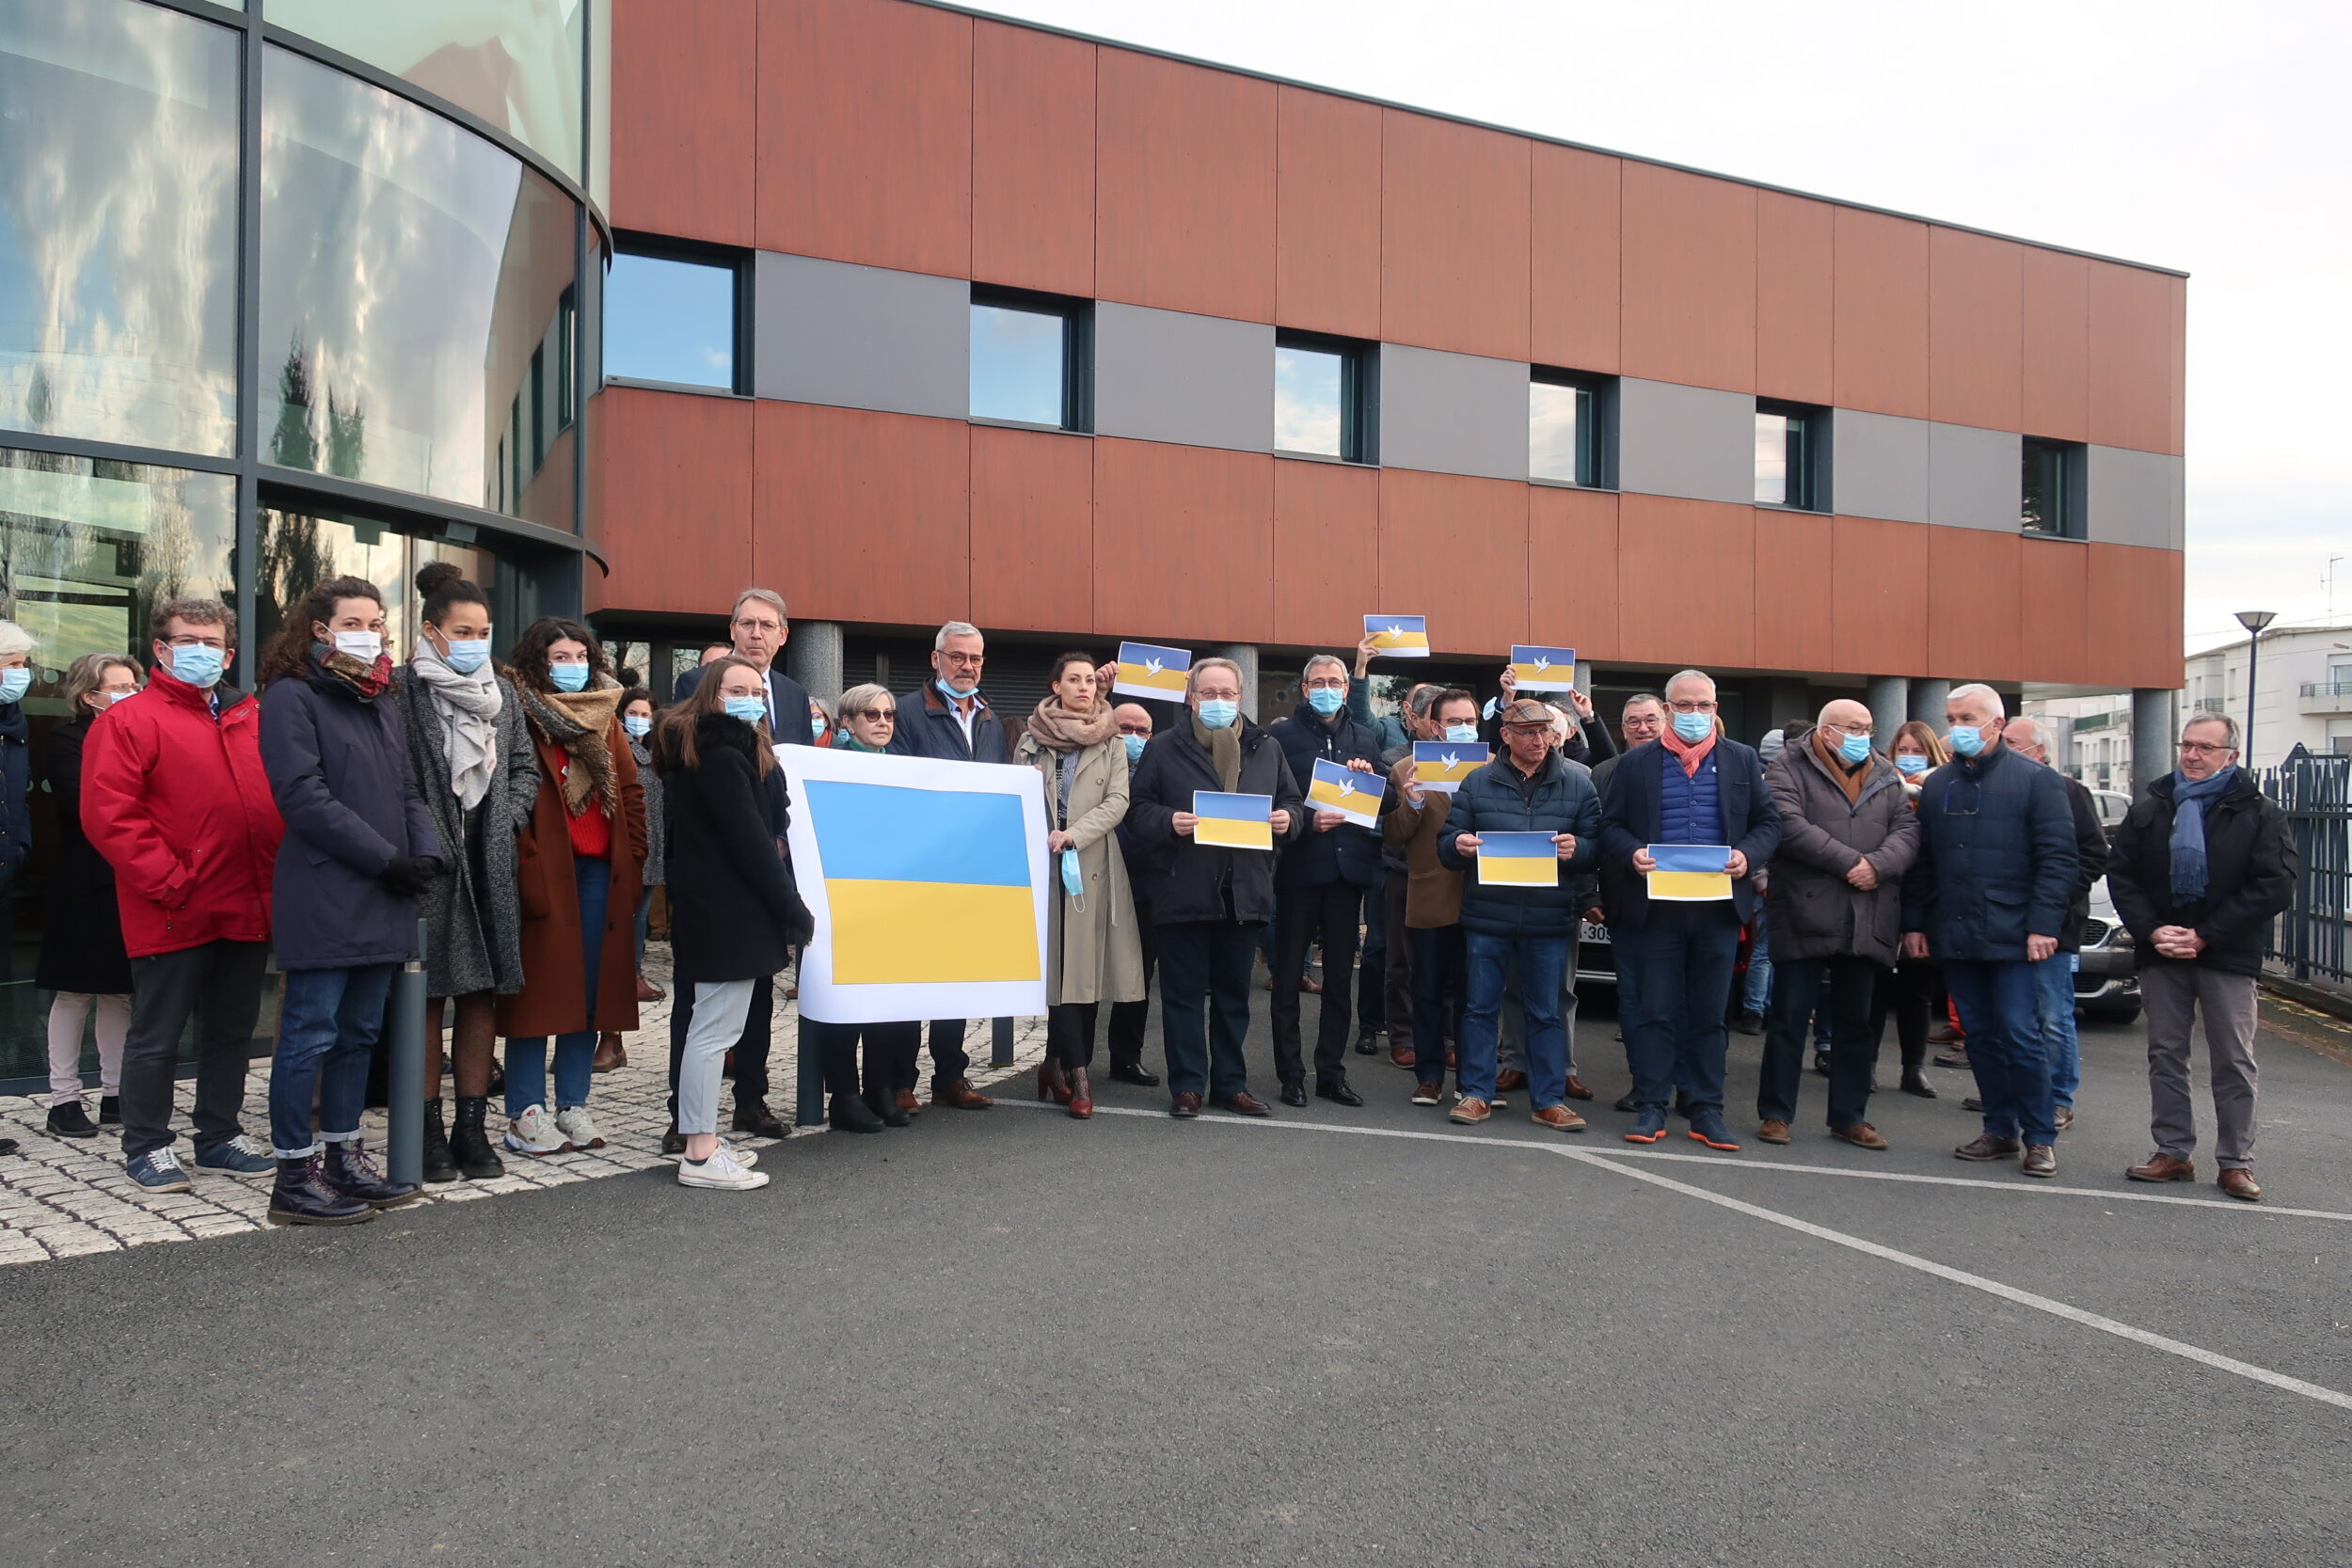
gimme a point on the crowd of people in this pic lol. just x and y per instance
(526, 806)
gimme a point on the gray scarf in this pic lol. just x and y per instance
(469, 706)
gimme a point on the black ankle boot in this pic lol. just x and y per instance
(853, 1114)
(301, 1196)
(469, 1145)
(439, 1165)
(348, 1170)
(886, 1106)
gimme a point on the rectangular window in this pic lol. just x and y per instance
(2051, 498)
(1323, 397)
(1567, 428)
(1787, 436)
(1031, 360)
(674, 316)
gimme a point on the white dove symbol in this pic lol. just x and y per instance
(1346, 788)
(1396, 631)
(1151, 666)
(1542, 663)
(1450, 759)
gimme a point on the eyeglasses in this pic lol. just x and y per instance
(2199, 749)
(197, 643)
(962, 660)
(1327, 683)
(1206, 695)
(1707, 706)
(1144, 730)
(746, 623)
(876, 715)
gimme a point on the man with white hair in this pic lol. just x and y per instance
(2025, 736)
(1987, 898)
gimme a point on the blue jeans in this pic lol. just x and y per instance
(1543, 963)
(1999, 1000)
(1680, 965)
(1759, 992)
(575, 1052)
(327, 1023)
(2054, 1005)
(644, 903)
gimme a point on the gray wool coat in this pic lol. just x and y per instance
(1815, 913)
(473, 933)
(656, 832)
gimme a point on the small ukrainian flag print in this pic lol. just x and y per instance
(1442, 765)
(1398, 636)
(1539, 669)
(1517, 860)
(1690, 873)
(925, 885)
(1232, 821)
(1148, 670)
(1353, 795)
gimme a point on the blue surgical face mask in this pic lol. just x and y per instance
(468, 657)
(1218, 712)
(568, 677)
(14, 683)
(1854, 747)
(637, 725)
(951, 693)
(1326, 701)
(1693, 727)
(1134, 746)
(198, 664)
(1967, 739)
(1911, 764)
(751, 710)
(1460, 734)
(1070, 882)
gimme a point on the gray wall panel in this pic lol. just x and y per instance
(1453, 413)
(1973, 477)
(1878, 465)
(1197, 381)
(1687, 441)
(862, 336)
(2133, 498)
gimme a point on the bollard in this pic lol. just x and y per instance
(405, 1136)
(810, 1111)
(1000, 1042)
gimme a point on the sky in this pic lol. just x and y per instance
(2215, 140)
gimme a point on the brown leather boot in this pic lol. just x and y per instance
(2162, 1167)
(610, 1053)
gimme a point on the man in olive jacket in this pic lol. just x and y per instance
(1834, 895)
(2201, 866)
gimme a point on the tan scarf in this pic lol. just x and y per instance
(1849, 779)
(579, 722)
(1224, 749)
(1058, 729)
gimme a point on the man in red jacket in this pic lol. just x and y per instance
(174, 797)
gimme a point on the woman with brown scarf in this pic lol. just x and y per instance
(1096, 954)
(579, 865)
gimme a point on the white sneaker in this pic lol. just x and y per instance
(578, 1130)
(535, 1133)
(722, 1172)
(747, 1158)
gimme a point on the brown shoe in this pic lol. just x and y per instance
(610, 1053)
(1187, 1104)
(1861, 1135)
(961, 1095)
(2041, 1159)
(2064, 1121)
(1559, 1118)
(1246, 1104)
(2162, 1167)
(1510, 1078)
(1986, 1147)
(1775, 1132)
(1309, 984)
(2239, 1183)
(909, 1102)
(648, 991)
(1402, 1055)
(1469, 1110)
(1577, 1089)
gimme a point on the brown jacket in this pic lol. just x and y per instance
(1433, 896)
(554, 998)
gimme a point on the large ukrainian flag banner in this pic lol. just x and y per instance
(929, 883)
(1690, 873)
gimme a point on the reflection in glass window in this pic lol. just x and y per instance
(670, 320)
(1564, 430)
(2052, 482)
(300, 550)
(118, 224)
(411, 273)
(1018, 362)
(1309, 399)
(1784, 457)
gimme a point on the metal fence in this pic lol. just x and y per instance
(2308, 941)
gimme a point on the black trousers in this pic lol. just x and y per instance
(1069, 1032)
(1127, 1017)
(1397, 964)
(219, 985)
(949, 1060)
(1204, 1004)
(1853, 1049)
(890, 1051)
(751, 1050)
(1301, 914)
(1908, 992)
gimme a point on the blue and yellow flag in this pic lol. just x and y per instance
(1148, 670)
(1442, 765)
(1353, 795)
(926, 885)
(1690, 873)
(1398, 636)
(1519, 860)
(1233, 821)
(1537, 669)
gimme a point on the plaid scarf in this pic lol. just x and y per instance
(579, 722)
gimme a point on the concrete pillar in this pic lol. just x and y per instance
(812, 656)
(2155, 730)
(1245, 655)
(1926, 702)
(1890, 697)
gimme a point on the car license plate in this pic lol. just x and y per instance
(1587, 932)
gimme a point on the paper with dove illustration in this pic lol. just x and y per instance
(1398, 636)
(1353, 795)
(1536, 668)
(1441, 766)
(1148, 670)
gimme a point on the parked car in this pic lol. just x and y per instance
(2114, 806)
(2106, 987)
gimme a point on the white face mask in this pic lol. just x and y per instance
(365, 646)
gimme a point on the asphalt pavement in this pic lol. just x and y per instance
(1010, 1337)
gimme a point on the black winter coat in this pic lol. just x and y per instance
(1492, 800)
(16, 795)
(2091, 853)
(1349, 853)
(81, 936)
(1185, 881)
(1633, 803)
(2251, 864)
(927, 728)
(1996, 858)
(734, 911)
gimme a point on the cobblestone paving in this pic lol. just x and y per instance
(65, 1197)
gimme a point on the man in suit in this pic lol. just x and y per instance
(758, 630)
(1694, 784)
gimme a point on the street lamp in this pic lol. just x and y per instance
(2253, 621)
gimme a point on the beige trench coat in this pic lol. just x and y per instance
(1096, 951)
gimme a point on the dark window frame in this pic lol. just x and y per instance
(1360, 394)
(669, 248)
(1595, 428)
(1077, 353)
(2072, 481)
(1806, 448)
